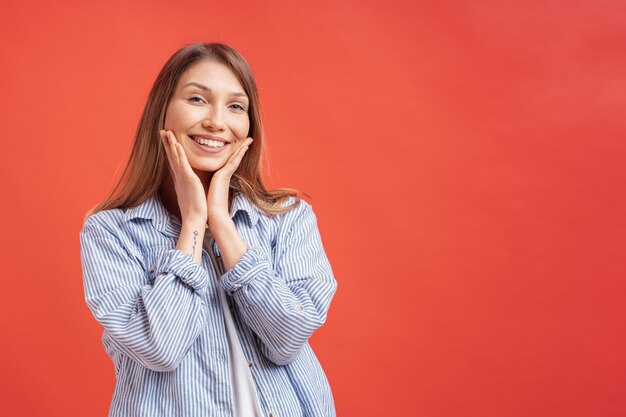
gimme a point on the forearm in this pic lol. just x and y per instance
(232, 246)
(166, 320)
(153, 315)
(287, 292)
(283, 316)
(190, 239)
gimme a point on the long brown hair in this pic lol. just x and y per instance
(146, 166)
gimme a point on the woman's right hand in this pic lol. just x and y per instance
(192, 201)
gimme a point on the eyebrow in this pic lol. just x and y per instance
(204, 87)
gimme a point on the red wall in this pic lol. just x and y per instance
(466, 163)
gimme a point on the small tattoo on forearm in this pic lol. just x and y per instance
(195, 234)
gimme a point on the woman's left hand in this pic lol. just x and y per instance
(217, 198)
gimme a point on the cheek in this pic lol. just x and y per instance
(243, 130)
(168, 116)
(178, 116)
(172, 117)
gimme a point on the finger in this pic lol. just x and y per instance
(242, 149)
(233, 161)
(166, 144)
(182, 157)
(237, 157)
(168, 152)
(246, 145)
(246, 142)
(172, 142)
(166, 148)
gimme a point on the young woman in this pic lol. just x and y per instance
(208, 285)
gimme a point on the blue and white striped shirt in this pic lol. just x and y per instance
(163, 322)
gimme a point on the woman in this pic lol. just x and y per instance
(208, 286)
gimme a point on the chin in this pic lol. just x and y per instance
(206, 168)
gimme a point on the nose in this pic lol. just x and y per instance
(213, 119)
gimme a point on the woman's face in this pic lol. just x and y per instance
(208, 102)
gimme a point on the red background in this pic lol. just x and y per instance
(466, 163)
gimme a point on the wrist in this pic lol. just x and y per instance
(195, 224)
(218, 220)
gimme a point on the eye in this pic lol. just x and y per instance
(195, 97)
(240, 106)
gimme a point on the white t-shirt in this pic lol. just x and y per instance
(245, 396)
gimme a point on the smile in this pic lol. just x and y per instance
(208, 142)
(210, 146)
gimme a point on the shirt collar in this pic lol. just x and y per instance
(154, 210)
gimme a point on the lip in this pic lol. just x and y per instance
(207, 149)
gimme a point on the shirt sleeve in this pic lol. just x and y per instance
(154, 323)
(285, 307)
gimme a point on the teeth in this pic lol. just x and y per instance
(207, 142)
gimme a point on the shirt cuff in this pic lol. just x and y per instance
(249, 266)
(184, 267)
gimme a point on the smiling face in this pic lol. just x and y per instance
(208, 113)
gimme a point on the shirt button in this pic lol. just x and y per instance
(151, 269)
(299, 308)
(250, 364)
(273, 414)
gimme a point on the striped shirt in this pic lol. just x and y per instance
(162, 316)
